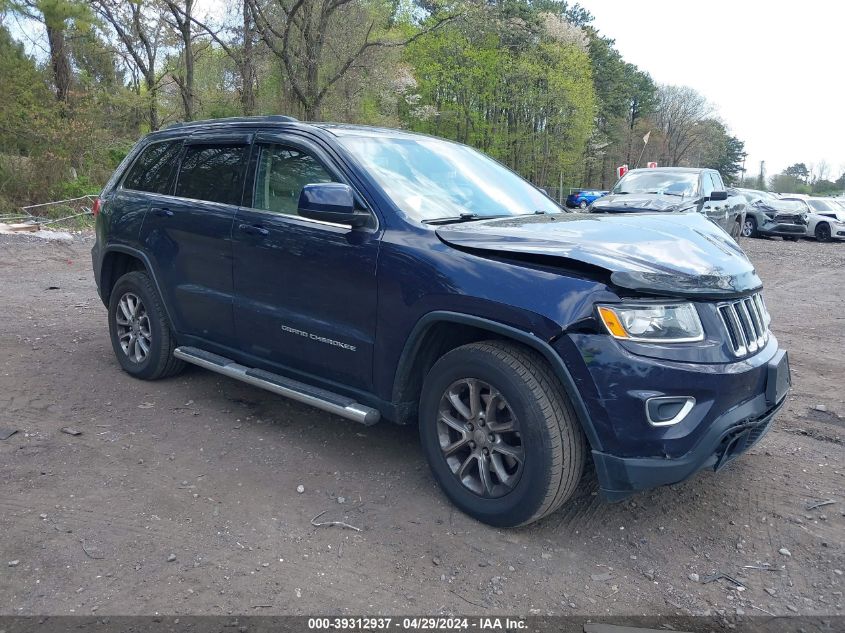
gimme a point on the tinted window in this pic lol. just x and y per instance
(282, 173)
(155, 168)
(213, 173)
(659, 182)
(821, 205)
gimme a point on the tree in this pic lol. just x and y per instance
(721, 151)
(798, 171)
(313, 59)
(55, 16)
(679, 112)
(521, 91)
(182, 23)
(139, 29)
(241, 53)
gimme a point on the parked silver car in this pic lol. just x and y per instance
(825, 218)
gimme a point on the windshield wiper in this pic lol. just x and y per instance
(463, 217)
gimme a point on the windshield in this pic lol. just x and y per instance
(822, 205)
(431, 179)
(677, 183)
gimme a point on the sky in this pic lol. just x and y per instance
(774, 70)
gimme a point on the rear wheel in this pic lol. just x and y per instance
(823, 232)
(583, 204)
(140, 333)
(749, 227)
(500, 435)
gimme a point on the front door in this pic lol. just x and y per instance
(305, 291)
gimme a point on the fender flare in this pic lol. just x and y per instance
(140, 255)
(414, 341)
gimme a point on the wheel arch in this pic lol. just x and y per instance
(118, 260)
(441, 331)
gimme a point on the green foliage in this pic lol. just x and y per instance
(728, 156)
(798, 171)
(515, 87)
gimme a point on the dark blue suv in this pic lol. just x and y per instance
(378, 274)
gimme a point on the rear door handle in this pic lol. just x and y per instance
(253, 229)
(164, 213)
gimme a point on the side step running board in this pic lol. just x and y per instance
(293, 389)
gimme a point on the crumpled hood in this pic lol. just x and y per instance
(639, 202)
(682, 254)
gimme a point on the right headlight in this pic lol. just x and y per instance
(653, 323)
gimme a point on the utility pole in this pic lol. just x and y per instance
(761, 179)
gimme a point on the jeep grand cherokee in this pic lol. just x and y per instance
(377, 274)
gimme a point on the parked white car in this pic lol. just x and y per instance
(825, 218)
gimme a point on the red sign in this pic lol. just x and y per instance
(622, 170)
(652, 165)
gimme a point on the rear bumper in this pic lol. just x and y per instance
(727, 438)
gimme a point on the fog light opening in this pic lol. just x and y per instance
(668, 410)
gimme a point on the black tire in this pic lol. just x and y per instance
(749, 227)
(823, 232)
(549, 435)
(158, 362)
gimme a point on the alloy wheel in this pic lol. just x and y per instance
(133, 327)
(479, 438)
(748, 228)
(823, 232)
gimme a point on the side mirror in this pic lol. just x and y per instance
(718, 195)
(331, 202)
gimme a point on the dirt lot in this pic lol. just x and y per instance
(181, 496)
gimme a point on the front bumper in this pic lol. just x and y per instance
(796, 230)
(734, 405)
(726, 439)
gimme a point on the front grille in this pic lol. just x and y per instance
(745, 322)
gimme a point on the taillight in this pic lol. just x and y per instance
(95, 208)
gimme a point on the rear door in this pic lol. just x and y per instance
(188, 235)
(305, 290)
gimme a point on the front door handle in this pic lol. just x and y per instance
(253, 229)
(163, 213)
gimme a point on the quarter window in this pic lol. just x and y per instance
(213, 173)
(155, 168)
(282, 173)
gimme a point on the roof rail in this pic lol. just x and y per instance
(270, 118)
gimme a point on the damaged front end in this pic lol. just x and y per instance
(682, 255)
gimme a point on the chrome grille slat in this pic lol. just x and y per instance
(745, 322)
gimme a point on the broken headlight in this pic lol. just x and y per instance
(650, 323)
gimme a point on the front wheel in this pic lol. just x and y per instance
(823, 232)
(500, 435)
(749, 227)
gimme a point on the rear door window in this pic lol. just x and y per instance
(155, 169)
(213, 173)
(282, 173)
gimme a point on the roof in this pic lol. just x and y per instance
(690, 170)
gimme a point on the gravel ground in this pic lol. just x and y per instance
(181, 496)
